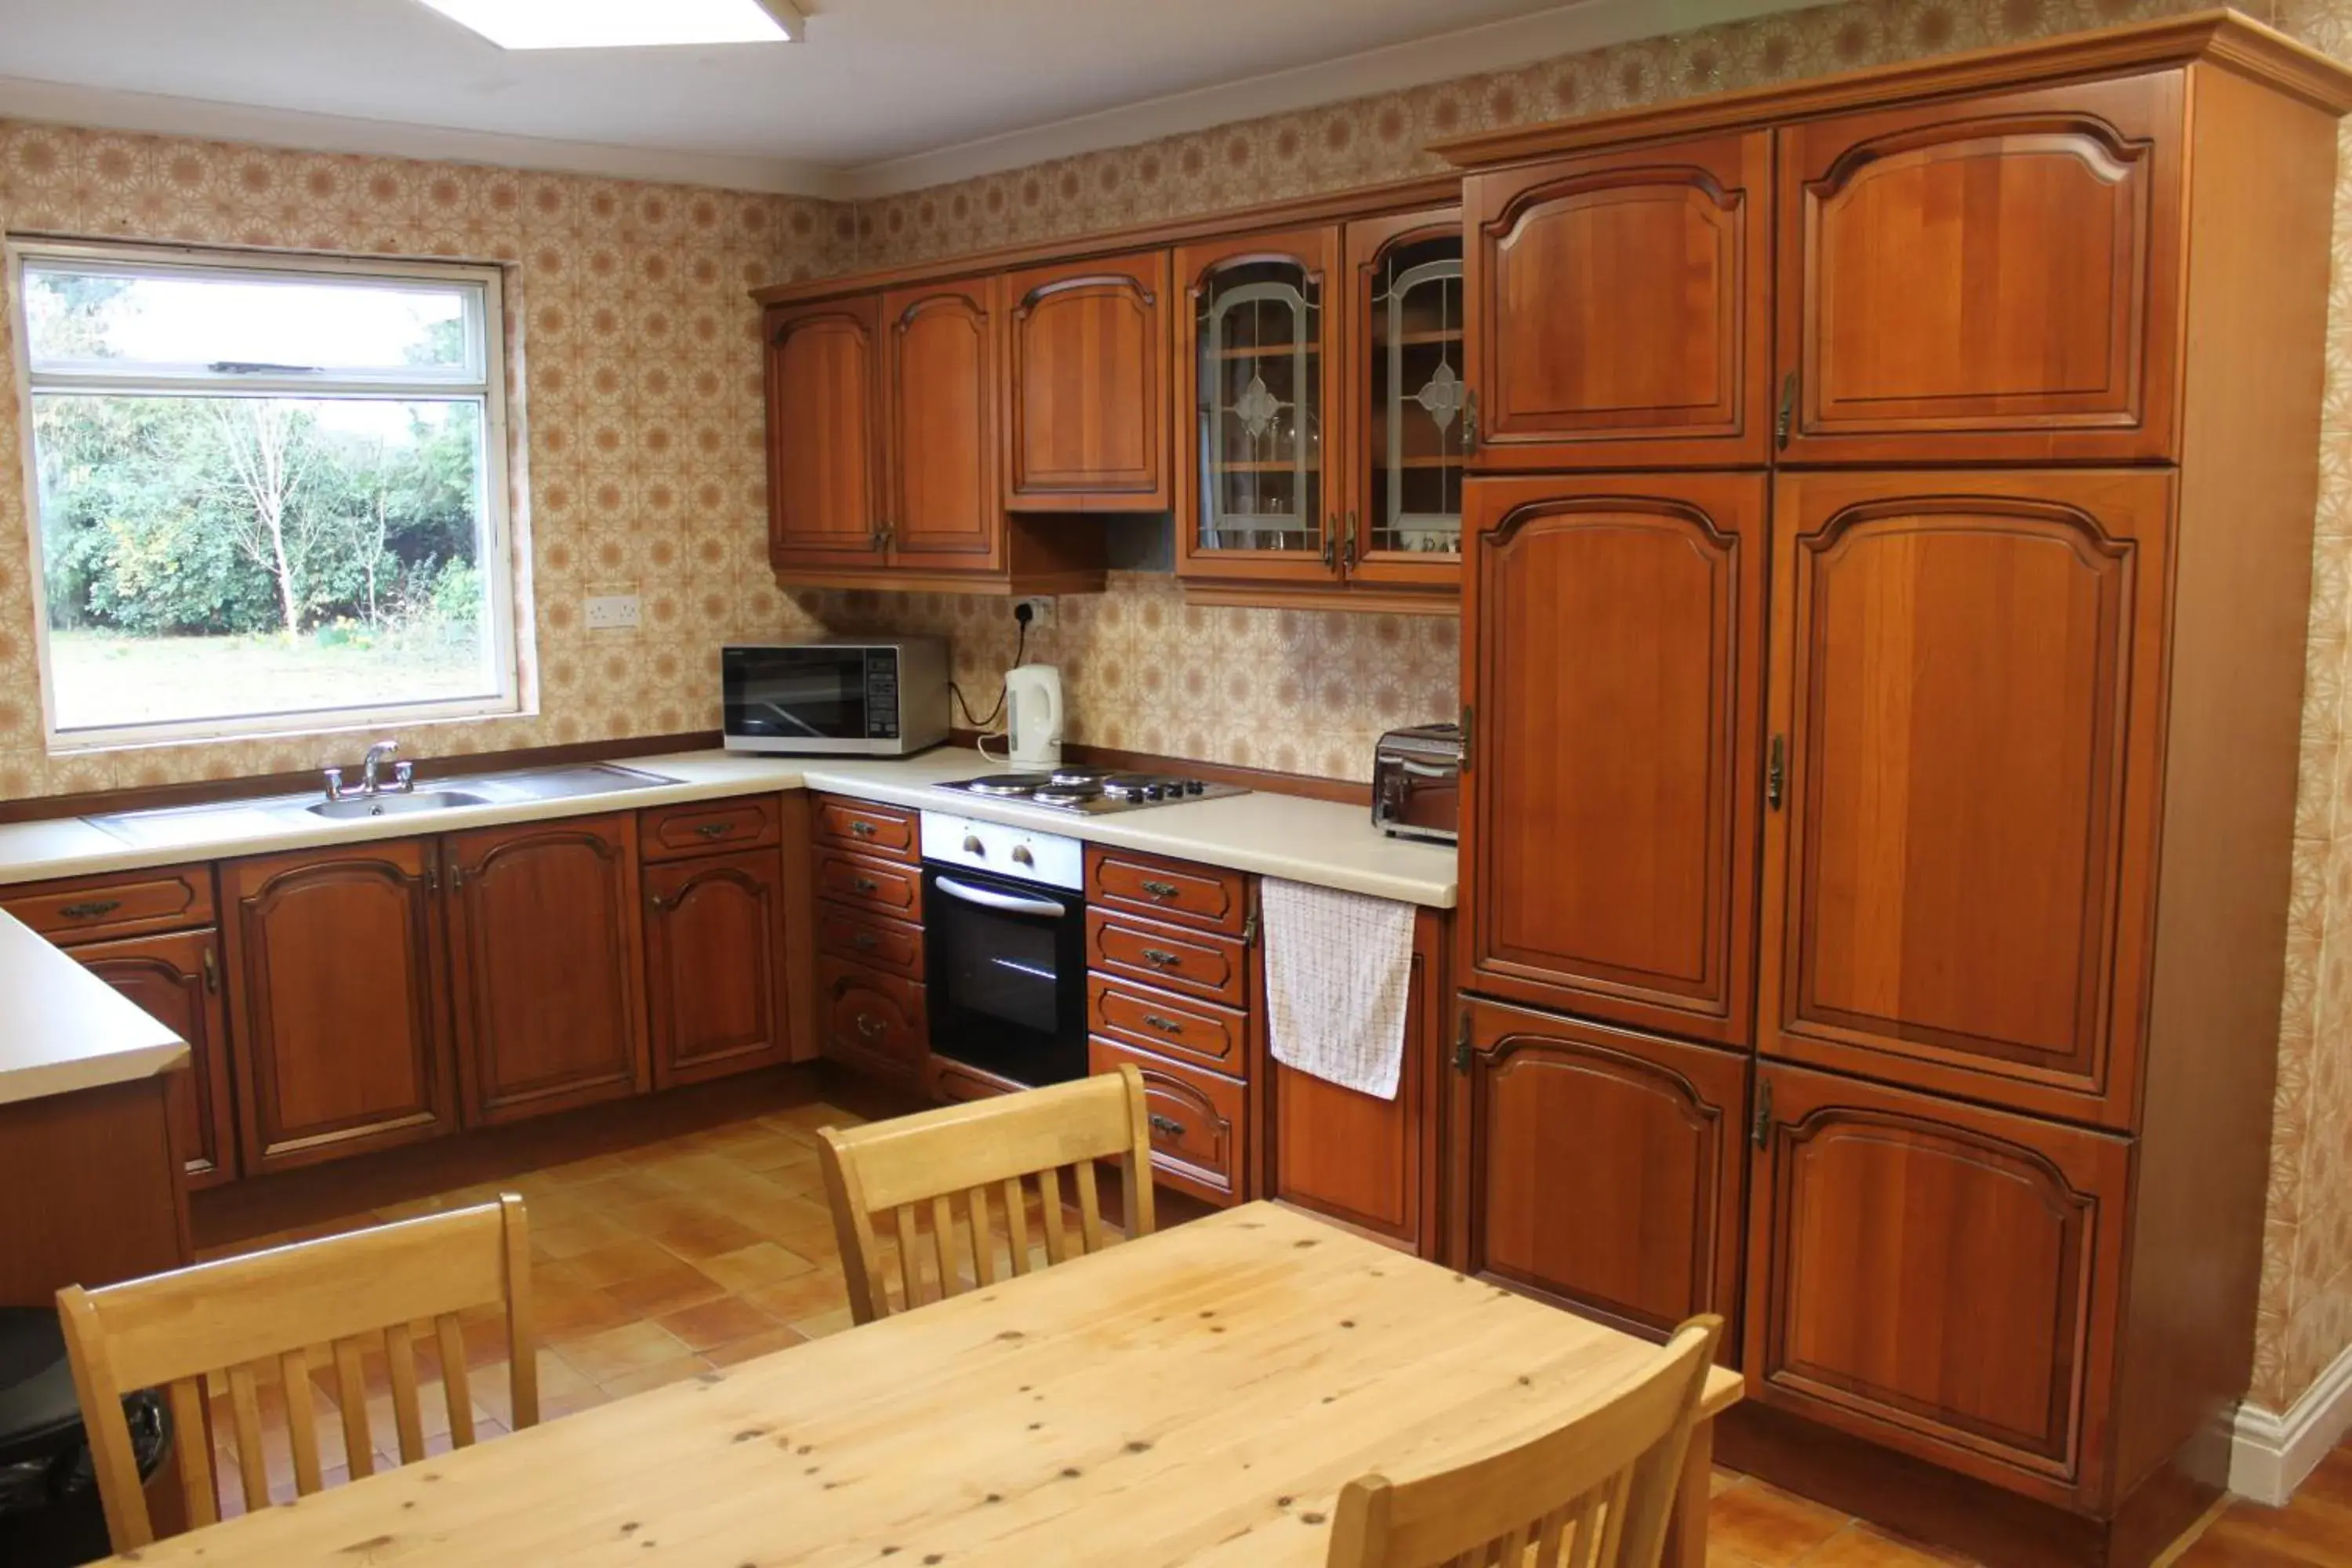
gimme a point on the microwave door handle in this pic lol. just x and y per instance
(1425, 770)
(989, 898)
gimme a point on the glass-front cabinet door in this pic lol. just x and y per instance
(1401, 510)
(1253, 500)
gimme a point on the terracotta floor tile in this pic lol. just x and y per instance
(750, 1268)
(819, 1291)
(570, 1238)
(687, 1228)
(824, 1324)
(781, 1338)
(670, 1289)
(616, 1353)
(1768, 1525)
(574, 1315)
(1860, 1546)
(717, 1322)
(616, 1261)
(661, 1374)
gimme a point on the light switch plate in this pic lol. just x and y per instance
(614, 612)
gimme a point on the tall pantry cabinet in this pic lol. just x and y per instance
(1887, 556)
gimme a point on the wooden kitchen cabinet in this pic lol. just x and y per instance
(1939, 1278)
(1602, 1169)
(825, 435)
(175, 979)
(338, 1005)
(714, 966)
(1966, 691)
(873, 1022)
(1086, 385)
(941, 342)
(1405, 424)
(1908, 326)
(546, 956)
(1199, 1121)
(1619, 307)
(1615, 673)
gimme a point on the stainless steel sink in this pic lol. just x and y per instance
(396, 804)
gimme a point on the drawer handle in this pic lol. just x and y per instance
(92, 910)
(715, 829)
(1162, 889)
(861, 829)
(864, 885)
(1164, 959)
(864, 941)
(869, 1026)
(1165, 1026)
(1167, 1126)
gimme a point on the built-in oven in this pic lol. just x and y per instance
(1004, 915)
(881, 697)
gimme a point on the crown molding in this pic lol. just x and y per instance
(109, 109)
(1497, 46)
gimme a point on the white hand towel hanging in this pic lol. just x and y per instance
(1339, 968)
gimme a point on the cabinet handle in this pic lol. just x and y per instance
(1167, 1126)
(1332, 544)
(864, 941)
(1163, 959)
(1776, 772)
(1470, 423)
(432, 876)
(457, 878)
(864, 885)
(1762, 1131)
(92, 910)
(657, 903)
(870, 1026)
(861, 829)
(211, 971)
(1788, 410)
(1161, 889)
(1348, 550)
(715, 829)
(1165, 1026)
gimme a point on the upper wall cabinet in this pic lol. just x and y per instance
(941, 343)
(825, 435)
(1405, 402)
(1993, 279)
(1086, 385)
(1618, 308)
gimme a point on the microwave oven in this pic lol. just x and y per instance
(840, 697)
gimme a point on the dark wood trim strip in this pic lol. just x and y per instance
(1312, 787)
(2226, 37)
(1365, 201)
(199, 792)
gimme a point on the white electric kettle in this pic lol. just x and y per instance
(1033, 716)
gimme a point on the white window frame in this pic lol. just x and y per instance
(484, 381)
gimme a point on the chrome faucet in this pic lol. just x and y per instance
(404, 774)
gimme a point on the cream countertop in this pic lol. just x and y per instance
(65, 1029)
(1323, 842)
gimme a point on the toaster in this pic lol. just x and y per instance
(1417, 783)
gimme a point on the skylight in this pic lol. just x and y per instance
(624, 24)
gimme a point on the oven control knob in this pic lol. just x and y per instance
(1193, 786)
(973, 845)
(1021, 856)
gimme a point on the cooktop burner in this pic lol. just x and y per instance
(1093, 791)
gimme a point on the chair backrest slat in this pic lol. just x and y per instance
(1593, 1490)
(233, 1322)
(913, 1168)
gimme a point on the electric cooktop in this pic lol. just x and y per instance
(1092, 792)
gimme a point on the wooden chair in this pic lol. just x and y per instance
(260, 1311)
(934, 1157)
(1595, 1491)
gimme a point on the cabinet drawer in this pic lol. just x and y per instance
(1192, 962)
(1199, 1120)
(1154, 1020)
(874, 1022)
(873, 885)
(884, 830)
(1161, 890)
(953, 1083)
(671, 831)
(859, 937)
(115, 905)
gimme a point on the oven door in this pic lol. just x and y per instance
(812, 700)
(1007, 967)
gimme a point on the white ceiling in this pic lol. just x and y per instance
(884, 95)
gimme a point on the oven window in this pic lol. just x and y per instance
(1008, 989)
(805, 693)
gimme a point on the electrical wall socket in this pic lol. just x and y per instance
(615, 613)
(1041, 613)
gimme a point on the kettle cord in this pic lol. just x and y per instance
(1020, 650)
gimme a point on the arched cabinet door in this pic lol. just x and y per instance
(825, 435)
(1603, 1169)
(1614, 684)
(1618, 308)
(714, 965)
(1996, 277)
(1087, 380)
(940, 346)
(1967, 689)
(176, 978)
(1937, 1277)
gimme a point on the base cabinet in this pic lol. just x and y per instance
(1197, 1120)
(714, 966)
(873, 1022)
(1938, 1278)
(1602, 1169)
(339, 1002)
(176, 980)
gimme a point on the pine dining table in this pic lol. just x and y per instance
(1195, 1397)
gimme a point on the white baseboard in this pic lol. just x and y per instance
(2271, 1453)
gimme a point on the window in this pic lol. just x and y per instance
(267, 495)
